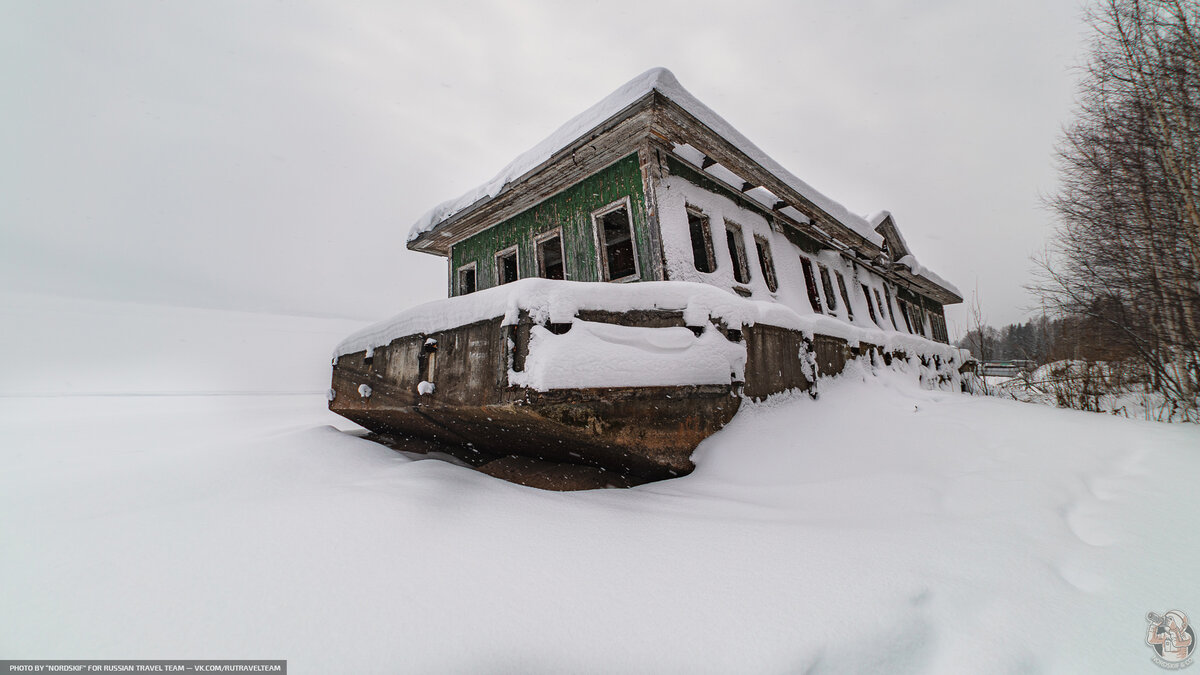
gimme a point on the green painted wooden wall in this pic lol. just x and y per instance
(571, 209)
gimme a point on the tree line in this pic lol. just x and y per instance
(1046, 340)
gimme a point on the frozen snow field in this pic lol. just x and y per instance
(172, 486)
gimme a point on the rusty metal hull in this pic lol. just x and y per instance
(643, 433)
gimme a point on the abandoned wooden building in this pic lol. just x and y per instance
(749, 283)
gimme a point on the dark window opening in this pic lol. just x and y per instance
(845, 295)
(904, 315)
(737, 252)
(870, 305)
(827, 284)
(879, 301)
(702, 248)
(766, 263)
(506, 267)
(466, 280)
(888, 296)
(616, 242)
(550, 258)
(814, 298)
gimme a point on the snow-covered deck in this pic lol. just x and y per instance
(545, 300)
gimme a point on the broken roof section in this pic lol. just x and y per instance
(664, 82)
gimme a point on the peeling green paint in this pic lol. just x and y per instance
(571, 209)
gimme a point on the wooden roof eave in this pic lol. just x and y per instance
(675, 124)
(441, 237)
(927, 287)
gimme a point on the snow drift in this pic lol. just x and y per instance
(882, 528)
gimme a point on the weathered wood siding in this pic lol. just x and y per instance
(571, 209)
(773, 361)
(831, 354)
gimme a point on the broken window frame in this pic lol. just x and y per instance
(766, 262)
(870, 305)
(827, 285)
(887, 294)
(845, 294)
(514, 252)
(703, 224)
(538, 243)
(602, 245)
(938, 324)
(735, 238)
(810, 281)
(905, 315)
(879, 303)
(458, 278)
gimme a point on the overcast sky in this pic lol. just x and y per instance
(271, 156)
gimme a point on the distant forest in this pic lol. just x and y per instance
(1045, 340)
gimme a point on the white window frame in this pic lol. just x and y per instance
(562, 250)
(598, 234)
(515, 250)
(458, 277)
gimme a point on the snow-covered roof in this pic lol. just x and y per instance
(876, 219)
(664, 82)
(908, 259)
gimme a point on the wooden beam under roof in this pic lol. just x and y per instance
(615, 138)
(672, 121)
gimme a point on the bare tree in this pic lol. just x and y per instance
(1126, 259)
(980, 328)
